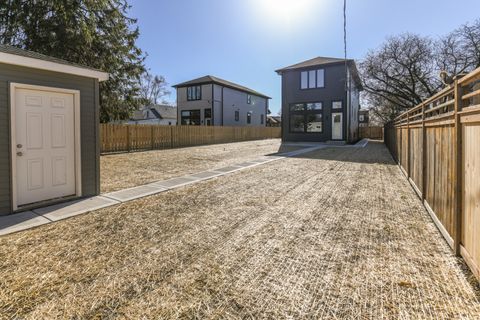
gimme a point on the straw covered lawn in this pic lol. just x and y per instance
(125, 170)
(336, 234)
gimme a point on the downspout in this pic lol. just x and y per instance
(178, 109)
(223, 106)
(213, 104)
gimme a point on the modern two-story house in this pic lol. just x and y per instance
(213, 101)
(320, 100)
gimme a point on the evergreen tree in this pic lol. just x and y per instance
(95, 33)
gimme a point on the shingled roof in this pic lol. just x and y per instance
(211, 79)
(323, 61)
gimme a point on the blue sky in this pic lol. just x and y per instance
(244, 41)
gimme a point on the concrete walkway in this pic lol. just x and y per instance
(41, 216)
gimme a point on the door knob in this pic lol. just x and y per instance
(19, 154)
(19, 145)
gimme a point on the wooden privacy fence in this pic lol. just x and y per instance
(374, 132)
(437, 145)
(128, 138)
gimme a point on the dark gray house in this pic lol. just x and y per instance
(318, 103)
(49, 130)
(209, 100)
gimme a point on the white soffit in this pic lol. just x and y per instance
(17, 60)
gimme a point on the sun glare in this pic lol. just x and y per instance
(285, 10)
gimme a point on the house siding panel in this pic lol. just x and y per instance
(235, 100)
(89, 109)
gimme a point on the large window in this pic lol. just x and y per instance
(312, 79)
(190, 117)
(249, 117)
(306, 117)
(194, 93)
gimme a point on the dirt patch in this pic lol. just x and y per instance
(336, 233)
(120, 171)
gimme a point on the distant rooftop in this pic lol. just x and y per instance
(211, 79)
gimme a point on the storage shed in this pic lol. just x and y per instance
(49, 130)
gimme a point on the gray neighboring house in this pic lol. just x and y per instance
(315, 103)
(213, 101)
(49, 130)
(161, 114)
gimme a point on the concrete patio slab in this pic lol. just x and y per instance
(175, 182)
(134, 193)
(21, 221)
(206, 174)
(228, 169)
(73, 208)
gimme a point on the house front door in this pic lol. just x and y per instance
(337, 126)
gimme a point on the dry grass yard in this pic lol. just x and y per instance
(335, 234)
(119, 171)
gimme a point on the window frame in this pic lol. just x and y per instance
(306, 75)
(249, 99)
(249, 117)
(341, 103)
(262, 119)
(237, 115)
(194, 93)
(192, 110)
(305, 113)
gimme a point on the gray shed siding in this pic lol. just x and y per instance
(89, 119)
(333, 90)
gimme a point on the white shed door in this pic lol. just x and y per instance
(45, 145)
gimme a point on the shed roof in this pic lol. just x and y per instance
(211, 79)
(25, 58)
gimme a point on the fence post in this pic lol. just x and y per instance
(152, 139)
(458, 167)
(128, 138)
(424, 154)
(408, 144)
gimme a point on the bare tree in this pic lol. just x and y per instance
(459, 51)
(402, 72)
(152, 88)
(405, 69)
